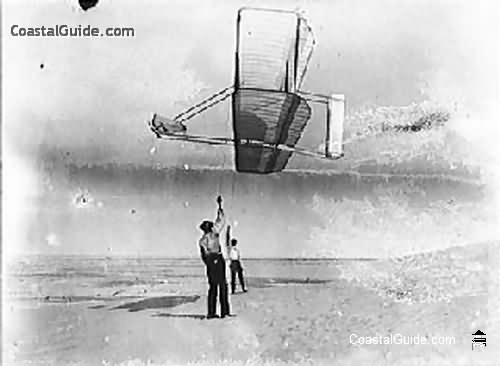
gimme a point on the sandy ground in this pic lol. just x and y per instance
(449, 293)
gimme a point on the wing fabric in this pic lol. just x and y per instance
(273, 117)
(265, 42)
(274, 48)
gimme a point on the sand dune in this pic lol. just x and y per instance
(450, 293)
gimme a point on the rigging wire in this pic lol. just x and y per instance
(228, 120)
(223, 172)
(221, 178)
(204, 105)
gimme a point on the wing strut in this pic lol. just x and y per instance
(204, 105)
(248, 143)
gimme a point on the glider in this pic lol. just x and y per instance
(269, 110)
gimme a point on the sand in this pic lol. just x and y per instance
(450, 293)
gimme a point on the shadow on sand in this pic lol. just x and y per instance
(189, 316)
(265, 282)
(157, 303)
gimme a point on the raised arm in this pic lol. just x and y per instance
(220, 221)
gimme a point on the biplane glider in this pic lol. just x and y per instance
(269, 111)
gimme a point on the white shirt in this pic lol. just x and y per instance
(211, 242)
(234, 254)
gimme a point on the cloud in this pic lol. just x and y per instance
(389, 223)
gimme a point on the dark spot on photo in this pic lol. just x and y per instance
(87, 4)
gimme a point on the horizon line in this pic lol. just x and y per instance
(160, 256)
(467, 177)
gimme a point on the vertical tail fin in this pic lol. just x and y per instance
(335, 125)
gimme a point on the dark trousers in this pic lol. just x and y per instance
(216, 272)
(236, 269)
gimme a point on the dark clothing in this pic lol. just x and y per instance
(236, 269)
(216, 272)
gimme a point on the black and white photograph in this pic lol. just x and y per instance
(250, 182)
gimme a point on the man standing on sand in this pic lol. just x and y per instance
(211, 254)
(236, 267)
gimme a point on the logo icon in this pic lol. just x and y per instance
(479, 340)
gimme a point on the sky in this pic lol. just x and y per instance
(93, 96)
(88, 104)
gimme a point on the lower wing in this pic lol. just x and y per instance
(249, 143)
